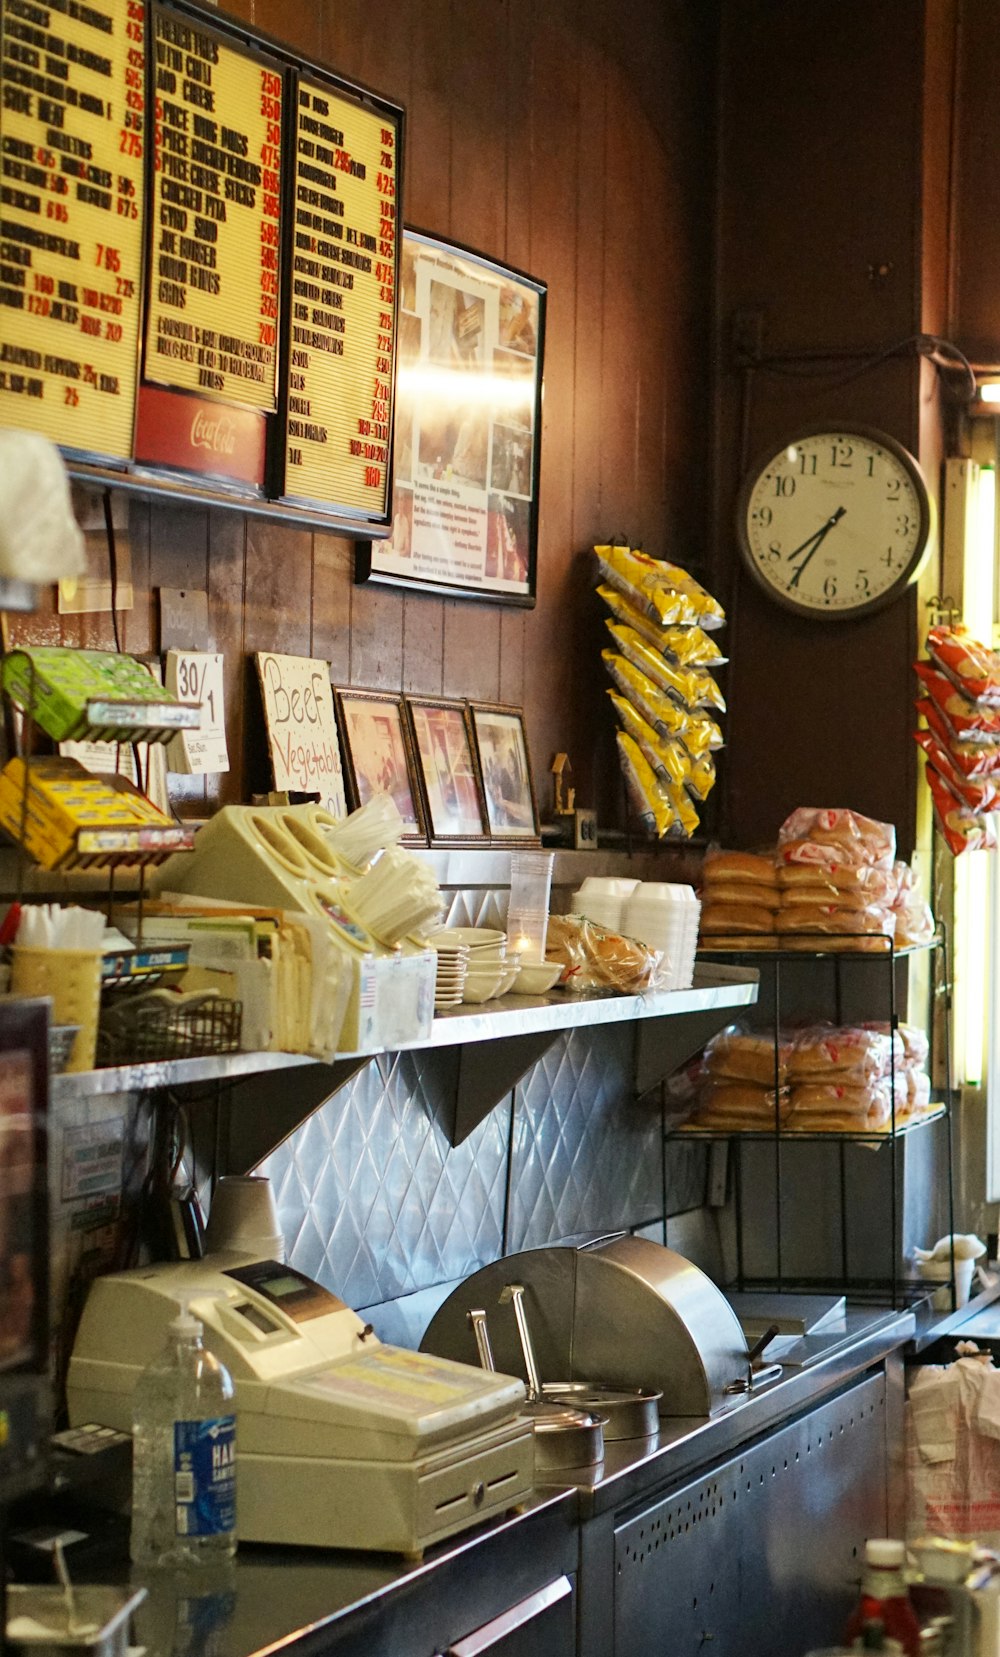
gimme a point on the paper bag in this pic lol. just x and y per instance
(953, 1452)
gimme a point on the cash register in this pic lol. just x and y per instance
(342, 1441)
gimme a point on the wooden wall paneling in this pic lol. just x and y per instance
(376, 637)
(226, 585)
(828, 187)
(178, 557)
(471, 649)
(425, 26)
(349, 35)
(294, 22)
(477, 219)
(423, 645)
(552, 670)
(479, 126)
(276, 616)
(976, 315)
(332, 578)
(595, 775)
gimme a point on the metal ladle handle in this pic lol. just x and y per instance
(477, 1318)
(515, 1292)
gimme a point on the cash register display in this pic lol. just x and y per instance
(298, 1296)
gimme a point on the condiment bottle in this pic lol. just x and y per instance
(885, 1598)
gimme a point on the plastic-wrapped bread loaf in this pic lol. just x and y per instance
(747, 1057)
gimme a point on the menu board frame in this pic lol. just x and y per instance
(485, 504)
(217, 488)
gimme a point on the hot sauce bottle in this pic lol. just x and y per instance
(885, 1598)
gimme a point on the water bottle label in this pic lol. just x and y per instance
(205, 1476)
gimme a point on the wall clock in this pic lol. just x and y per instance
(835, 522)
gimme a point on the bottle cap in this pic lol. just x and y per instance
(882, 1552)
(185, 1323)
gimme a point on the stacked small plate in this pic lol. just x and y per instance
(488, 972)
(452, 965)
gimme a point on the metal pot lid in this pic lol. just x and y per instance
(555, 1418)
(597, 1394)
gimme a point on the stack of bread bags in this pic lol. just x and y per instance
(742, 1087)
(664, 695)
(961, 704)
(913, 1064)
(740, 900)
(845, 1080)
(836, 874)
(914, 919)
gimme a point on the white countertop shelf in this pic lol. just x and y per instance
(519, 1022)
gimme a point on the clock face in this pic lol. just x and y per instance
(834, 523)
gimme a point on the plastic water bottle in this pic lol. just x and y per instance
(183, 1454)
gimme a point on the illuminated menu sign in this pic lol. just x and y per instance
(72, 126)
(342, 300)
(212, 314)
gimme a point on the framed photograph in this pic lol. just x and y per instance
(446, 766)
(378, 756)
(466, 428)
(505, 768)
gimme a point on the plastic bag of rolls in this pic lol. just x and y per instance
(665, 695)
(823, 1078)
(832, 882)
(595, 959)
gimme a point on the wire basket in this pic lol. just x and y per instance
(160, 1027)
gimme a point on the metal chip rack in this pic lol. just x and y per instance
(787, 1249)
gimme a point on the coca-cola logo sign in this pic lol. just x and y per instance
(217, 433)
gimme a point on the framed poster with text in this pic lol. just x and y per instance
(467, 427)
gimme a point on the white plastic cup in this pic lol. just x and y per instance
(528, 907)
(939, 1271)
(244, 1218)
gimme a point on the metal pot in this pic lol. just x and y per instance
(629, 1412)
(565, 1436)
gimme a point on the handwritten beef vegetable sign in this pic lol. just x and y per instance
(301, 728)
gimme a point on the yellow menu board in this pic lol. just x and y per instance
(72, 130)
(342, 300)
(212, 314)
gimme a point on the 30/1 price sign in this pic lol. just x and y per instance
(196, 676)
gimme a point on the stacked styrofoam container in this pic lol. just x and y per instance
(662, 914)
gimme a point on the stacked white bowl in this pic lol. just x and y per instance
(601, 898)
(489, 972)
(664, 914)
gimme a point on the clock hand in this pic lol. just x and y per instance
(813, 543)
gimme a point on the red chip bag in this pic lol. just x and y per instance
(963, 830)
(969, 719)
(973, 759)
(978, 793)
(968, 663)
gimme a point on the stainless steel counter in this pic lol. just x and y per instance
(274, 1597)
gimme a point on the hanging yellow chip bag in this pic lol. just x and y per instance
(647, 797)
(688, 646)
(668, 756)
(702, 735)
(676, 681)
(642, 581)
(666, 716)
(701, 777)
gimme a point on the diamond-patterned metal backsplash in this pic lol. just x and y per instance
(376, 1203)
